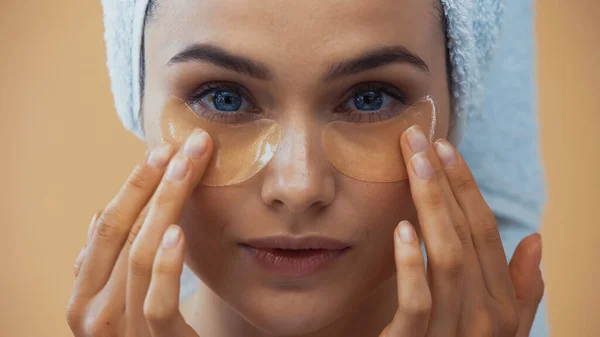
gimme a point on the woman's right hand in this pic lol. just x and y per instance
(127, 277)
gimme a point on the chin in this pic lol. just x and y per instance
(291, 313)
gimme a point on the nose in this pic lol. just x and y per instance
(299, 178)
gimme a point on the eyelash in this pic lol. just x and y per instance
(195, 102)
(393, 110)
(400, 101)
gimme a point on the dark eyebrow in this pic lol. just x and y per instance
(374, 59)
(220, 57)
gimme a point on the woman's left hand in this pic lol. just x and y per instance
(468, 288)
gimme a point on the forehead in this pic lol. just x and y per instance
(291, 28)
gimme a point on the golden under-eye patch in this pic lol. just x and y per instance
(371, 151)
(363, 151)
(239, 151)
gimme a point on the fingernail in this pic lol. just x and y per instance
(417, 140)
(171, 237)
(422, 166)
(195, 146)
(159, 157)
(446, 153)
(178, 168)
(406, 232)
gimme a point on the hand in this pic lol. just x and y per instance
(128, 284)
(468, 288)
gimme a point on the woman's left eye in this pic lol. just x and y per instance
(369, 100)
(225, 100)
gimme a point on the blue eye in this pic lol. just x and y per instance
(369, 100)
(226, 100)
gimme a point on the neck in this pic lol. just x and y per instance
(209, 315)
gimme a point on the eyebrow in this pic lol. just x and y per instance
(374, 59)
(218, 56)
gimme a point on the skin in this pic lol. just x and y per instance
(128, 282)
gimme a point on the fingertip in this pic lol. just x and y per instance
(530, 250)
(171, 238)
(407, 249)
(405, 233)
(445, 153)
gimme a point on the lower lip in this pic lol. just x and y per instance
(294, 263)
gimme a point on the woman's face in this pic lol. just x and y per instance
(288, 50)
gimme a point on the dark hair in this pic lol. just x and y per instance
(151, 9)
(150, 13)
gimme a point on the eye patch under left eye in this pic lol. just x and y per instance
(239, 150)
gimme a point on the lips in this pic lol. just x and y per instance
(297, 243)
(294, 256)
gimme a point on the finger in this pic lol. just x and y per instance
(527, 280)
(113, 225)
(182, 176)
(116, 286)
(92, 228)
(414, 298)
(161, 307)
(445, 252)
(78, 261)
(447, 160)
(484, 230)
(81, 256)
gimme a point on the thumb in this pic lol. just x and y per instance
(527, 279)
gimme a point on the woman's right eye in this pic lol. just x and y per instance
(225, 100)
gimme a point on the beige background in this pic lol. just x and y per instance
(65, 154)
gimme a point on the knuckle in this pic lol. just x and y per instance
(464, 184)
(449, 260)
(411, 261)
(137, 226)
(110, 224)
(434, 199)
(439, 173)
(73, 315)
(509, 323)
(133, 233)
(163, 268)
(463, 232)
(139, 263)
(416, 305)
(139, 179)
(99, 328)
(484, 326)
(488, 216)
(157, 314)
(164, 198)
(488, 233)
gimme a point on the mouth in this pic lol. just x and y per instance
(294, 256)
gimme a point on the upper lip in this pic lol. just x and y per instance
(296, 242)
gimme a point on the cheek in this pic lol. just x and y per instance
(382, 206)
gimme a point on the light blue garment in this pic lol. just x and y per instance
(491, 48)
